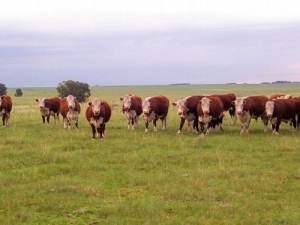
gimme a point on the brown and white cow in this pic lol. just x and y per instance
(69, 109)
(98, 114)
(280, 96)
(251, 107)
(278, 110)
(187, 110)
(5, 108)
(132, 109)
(210, 112)
(48, 107)
(155, 108)
(227, 100)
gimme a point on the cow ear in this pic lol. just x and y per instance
(36, 100)
(90, 103)
(244, 101)
(174, 103)
(233, 103)
(102, 102)
(121, 99)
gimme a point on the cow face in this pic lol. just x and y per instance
(181, 106)
(146, 106)
(71, 101)
(41, 102)
(270, 108)
(126, 102)
(96, 106)
(205, 105)
(239, 105)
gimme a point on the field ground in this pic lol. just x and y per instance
(53, 176)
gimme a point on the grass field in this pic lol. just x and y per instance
(54, 176)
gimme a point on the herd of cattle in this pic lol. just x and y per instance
(204, 112)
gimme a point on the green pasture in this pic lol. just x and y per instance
(50, 175)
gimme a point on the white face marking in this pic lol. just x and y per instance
(41, 102)
(127, 102)
(269, 108)
(96, 106)
(205, 104)
(181, 107)
(239, 105)
(71, 101)
(146, 106)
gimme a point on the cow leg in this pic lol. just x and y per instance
(146, 126)
(65, 122)
(103, 130)
(265, 122)
(48, 118)
(7, 118)
(154, 125)
(76, 123)
(277, 127)
(196, 124)
(43, 119)
(182, 120)
(164, 123)
(56, 118)
(93, 132)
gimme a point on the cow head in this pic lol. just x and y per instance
(96, 106)
(41, 102)
(71, 101)
(126, 102)
(269, 108)
(205, 105)
(146, 106)
(239, 105)
(181, 106)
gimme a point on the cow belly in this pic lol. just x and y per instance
(45, 112)
(96, 123)
(72, 115)
(2, 112)
(149, 118)
(189, 117)
(131, 114)
(244, 117)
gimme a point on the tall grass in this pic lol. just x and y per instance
(54, 176)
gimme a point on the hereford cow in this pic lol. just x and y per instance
(280, 96)
(69, 109)
(251, 107)
(187, 110)
(132, 109)
(210, 112)
(227, 100)
(5, 108)
(98, 114)
(48, 107)
(155, 108)
(281, 110)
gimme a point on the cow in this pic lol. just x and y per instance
(70, 110)
(5, 108)
(280, 96)
(187, 110)
(98, 114)
(281, 110)
(132, 109)
(48, 107)
(228, 106)
(297, 109)
(155, 108)
(210, 112)
(251, 107)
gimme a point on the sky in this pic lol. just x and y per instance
(137, 42)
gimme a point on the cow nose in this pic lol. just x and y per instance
(239, 112)
(179, 113)
(146, 112)
(206, 111)
(96, 112)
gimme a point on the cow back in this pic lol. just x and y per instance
(227, 100)
(136, 104)
(6, 103)
(284, 108)
(160, 105)
(255, 104)
(53, 104)
(192, 103)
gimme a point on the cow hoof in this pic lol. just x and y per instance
(202, 135)
(179, 132)
(146, 130)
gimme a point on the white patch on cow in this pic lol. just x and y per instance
(146, 105)
(150, 117)
(245, 119)
(96, 123)
(2, 112)
(71, 115)
(131, 116)
(205, 105)
(269, 108)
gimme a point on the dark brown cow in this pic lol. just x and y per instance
(155, 108)
(5, 108)
(48, 107)
(280, 96)
(132, 109)
(297, 110)
(98, 114)
(210, 112)
(278, 110)
(227, 100)
(251, 107)
(69, 109)
(187, 110)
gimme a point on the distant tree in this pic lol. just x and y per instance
(3, 89)
(18, 93)
(78, 89)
